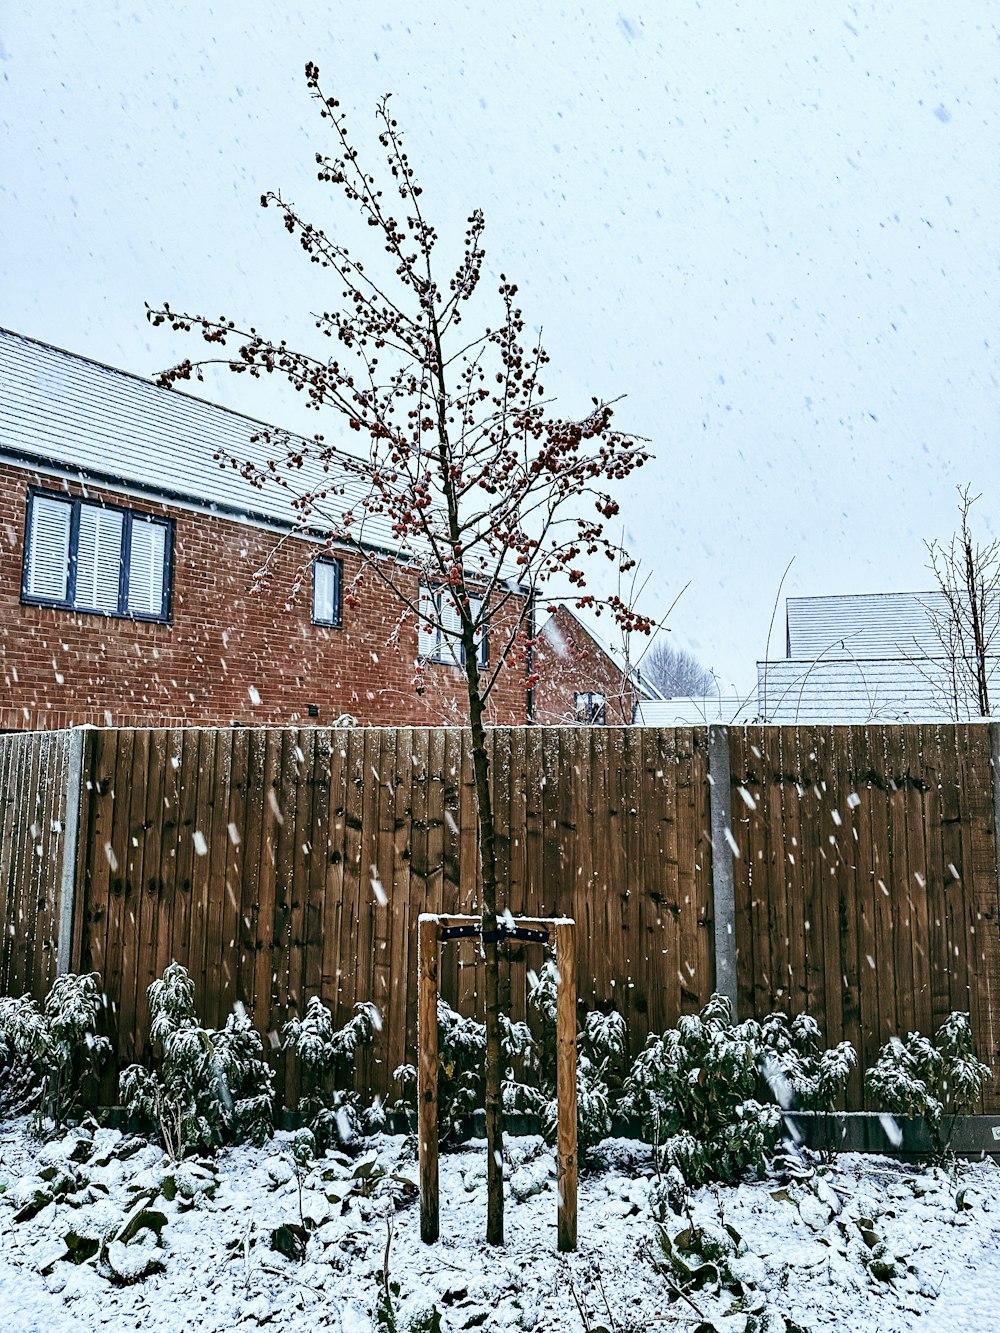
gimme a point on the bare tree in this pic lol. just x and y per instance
(676, 672)
(490, 495)
(966, 622)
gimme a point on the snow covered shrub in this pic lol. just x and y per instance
(461, 1061)
(693, 1090)
(801, 1072)
(59, 1041)
(210, 1087)
(937, 1079)
(336, 1114)
(20, 1085)
(601, 1046)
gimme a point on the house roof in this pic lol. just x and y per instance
(861, 657)
(696, 711)
(67, 412)
(854, 690)
(863, 625)
(551, 631)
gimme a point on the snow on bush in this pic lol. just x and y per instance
(71, 1186)
(601, 1046)
(801, 1072)
(58, 1041)
(693, 1090)
(461, 1062)
(937, 1079)
(20, 1085)
(208, 1087)
(336, 1113)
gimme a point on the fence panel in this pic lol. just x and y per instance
(34, 771)
(866, 881)
(280, 864)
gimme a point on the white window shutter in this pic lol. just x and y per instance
(99, 558)
(147, 559)
(427, 634)
(47, 574)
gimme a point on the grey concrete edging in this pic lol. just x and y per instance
(894, 1136)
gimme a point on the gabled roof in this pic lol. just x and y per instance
(645, 688)
(853, 690)
(66, 412)
(695, 711)
(869, 625)
(861, 657)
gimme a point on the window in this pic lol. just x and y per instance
(326, 592)
(434, 645)
(590, 708)
(92, 557)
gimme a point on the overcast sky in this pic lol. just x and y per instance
(773, 226)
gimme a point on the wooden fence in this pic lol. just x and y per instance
(34, 783)
(281, 864)
(860, 863)
(866, 881)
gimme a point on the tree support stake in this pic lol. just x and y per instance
(432, 931)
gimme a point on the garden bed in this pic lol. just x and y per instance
(864, 1244)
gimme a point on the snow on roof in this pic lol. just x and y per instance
(695, 711)
(65, 411)
(842, 690)
(859, 657)
(869, 625)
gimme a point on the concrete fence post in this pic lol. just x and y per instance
(70, 844)
(995, 766)
(723, 888)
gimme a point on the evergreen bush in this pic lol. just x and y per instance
(58, 1041)
(336, 1113)
(601, 1050)
(208, 1087)
(801, 1072)
(693, 1089)
(461, 1064)
(937, 1079)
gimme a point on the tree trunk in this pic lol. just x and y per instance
(494, 1059)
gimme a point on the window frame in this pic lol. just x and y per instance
(76, 503)
(442, 655)
(338, 611)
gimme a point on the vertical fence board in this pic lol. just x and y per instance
(34, 782)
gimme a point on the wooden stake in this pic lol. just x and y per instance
(429, 939)
(427, 1077)
(566, 1164)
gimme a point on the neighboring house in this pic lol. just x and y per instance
(127, 559)
(695, 711)
(580, 679)
(871, 657)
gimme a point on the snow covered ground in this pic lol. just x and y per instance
(868, 1244)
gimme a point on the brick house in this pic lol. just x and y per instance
(127, 558)
(579, 677)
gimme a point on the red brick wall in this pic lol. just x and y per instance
(62, 668)
(570, 661)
